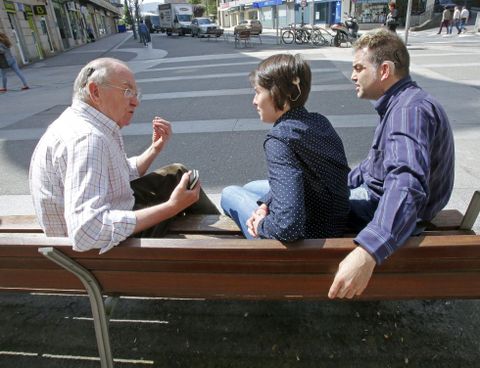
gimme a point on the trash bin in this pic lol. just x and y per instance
(122, 28)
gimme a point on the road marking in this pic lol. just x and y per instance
(217, 75)
(196, 66)
(145, 321)
(82, 357)
(235, 92)
(17, 353)
(200, 126)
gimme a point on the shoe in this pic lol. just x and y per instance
(3, 90)
(25, 88)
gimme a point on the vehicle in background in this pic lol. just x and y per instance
(205, 27)
(153, 23)
(252, 25)
(175, 18)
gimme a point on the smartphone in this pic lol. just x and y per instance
(193, 179)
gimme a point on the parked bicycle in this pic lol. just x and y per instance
(316, 36)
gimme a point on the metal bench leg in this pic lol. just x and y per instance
(472, 212)
(96, 301)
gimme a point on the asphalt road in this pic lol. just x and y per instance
(202, 87)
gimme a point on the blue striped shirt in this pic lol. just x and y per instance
(409, 170)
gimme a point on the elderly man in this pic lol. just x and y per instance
(408, 175)
(83, 185)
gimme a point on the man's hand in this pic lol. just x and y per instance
(353, 274)
(162, 130)
(181, 197)
(252, 223)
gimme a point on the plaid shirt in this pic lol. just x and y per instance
(80, 180)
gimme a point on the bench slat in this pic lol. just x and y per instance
(209, 224)
(382, 286)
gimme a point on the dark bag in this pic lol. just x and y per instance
(391, 22)
(3, 62)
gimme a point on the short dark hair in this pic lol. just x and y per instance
(287, 77)
(386, 46)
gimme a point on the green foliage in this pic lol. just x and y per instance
(127, 15)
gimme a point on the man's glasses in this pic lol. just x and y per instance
(127, 92)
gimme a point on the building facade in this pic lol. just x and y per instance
(42, 28)
(282, 12)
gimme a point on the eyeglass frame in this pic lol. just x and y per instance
(127, 92)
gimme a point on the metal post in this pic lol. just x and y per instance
(96, 301)
(407, 20)
(472, 212)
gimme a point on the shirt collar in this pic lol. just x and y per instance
(96, 117)
(381, 105)
(291, 114)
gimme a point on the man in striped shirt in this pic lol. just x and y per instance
(82, 183)
(408, 175)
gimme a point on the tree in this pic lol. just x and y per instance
(132, 8)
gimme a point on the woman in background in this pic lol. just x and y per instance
(5, 45)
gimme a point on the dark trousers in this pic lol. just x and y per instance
(156, 187)
(445, 23)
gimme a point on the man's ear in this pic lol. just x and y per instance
(94, 92)
(387, 70)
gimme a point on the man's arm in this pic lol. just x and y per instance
(406, 164)
(180, 199)
(162, 132)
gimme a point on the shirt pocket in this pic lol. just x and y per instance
(377, 168)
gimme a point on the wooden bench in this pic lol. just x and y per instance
(240, 36)
(205, 257)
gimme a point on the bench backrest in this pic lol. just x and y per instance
(427, 267)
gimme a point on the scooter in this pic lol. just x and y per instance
(345, 32)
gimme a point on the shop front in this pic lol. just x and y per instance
(30, 27)
(371, 11)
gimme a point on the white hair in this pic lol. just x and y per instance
(98, 71)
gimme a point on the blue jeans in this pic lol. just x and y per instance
(362, 210)
(16, 69)
(240, 202)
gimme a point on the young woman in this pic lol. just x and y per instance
(5, 45)
(306, 194)
(392, 18)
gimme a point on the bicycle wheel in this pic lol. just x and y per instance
(287, 36)
(301, 36)
(339, 38)
(325, 36)
(317, 38)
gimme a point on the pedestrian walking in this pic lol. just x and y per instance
(144, 33)
(464, 15)
(456, 20)
(9, 61)
(91, 36)
(446, 18)
(392, 18)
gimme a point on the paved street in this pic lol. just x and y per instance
(202, 87)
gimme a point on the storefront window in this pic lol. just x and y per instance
(321, 13)
(371, 12)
